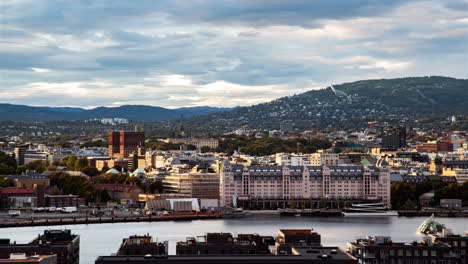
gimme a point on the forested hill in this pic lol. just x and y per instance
(346, 105)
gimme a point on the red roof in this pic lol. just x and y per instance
(14, 190)
(116, 187)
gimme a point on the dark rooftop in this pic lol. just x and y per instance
(29, 175)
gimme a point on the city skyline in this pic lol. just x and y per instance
(174, 54)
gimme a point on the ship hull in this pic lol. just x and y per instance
(370, 214)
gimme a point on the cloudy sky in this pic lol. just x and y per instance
(180, 53)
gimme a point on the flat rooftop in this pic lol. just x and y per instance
(300, 255)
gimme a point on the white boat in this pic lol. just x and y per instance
(366, 210)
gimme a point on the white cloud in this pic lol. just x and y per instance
(41, 70)
(70, 42)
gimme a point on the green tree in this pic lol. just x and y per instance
(400, 193)
(90, 171)
(68, 184)
(205, 149)
(449, 191)
(337, 150)
(104, 196)
(155, 187)
(35, 165)
(409, 205)
(421, 188)
(71, 162)
(81, 164)
(8, 160)
(6, 169)
(6, 183)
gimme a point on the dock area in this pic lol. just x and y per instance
(106, 219)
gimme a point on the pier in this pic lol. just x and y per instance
(103, 220)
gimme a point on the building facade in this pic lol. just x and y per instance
(62, 243)
(436, 146)
(29, 179)
(19, 154)
(296, 182)
(197, 142)
(123, 143)
(194, 185)
(284, 159)
(142, 245)
(14, 198)
(382, 250)
(119, 191)
(225, 244)
(298, 246)
(324, 159)
(394, 137)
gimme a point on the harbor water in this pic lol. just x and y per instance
(104, 239)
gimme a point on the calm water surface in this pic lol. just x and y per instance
(104, 239)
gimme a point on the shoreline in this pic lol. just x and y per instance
(196, 216)
(107, 220)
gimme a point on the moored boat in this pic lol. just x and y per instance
(366, 210)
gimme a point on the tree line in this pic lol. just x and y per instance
(405, 196)
(268, 145)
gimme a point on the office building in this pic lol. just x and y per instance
(19, 154)
(394, 137)
(194, 185)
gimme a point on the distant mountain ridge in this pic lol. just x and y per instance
(131, 112)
